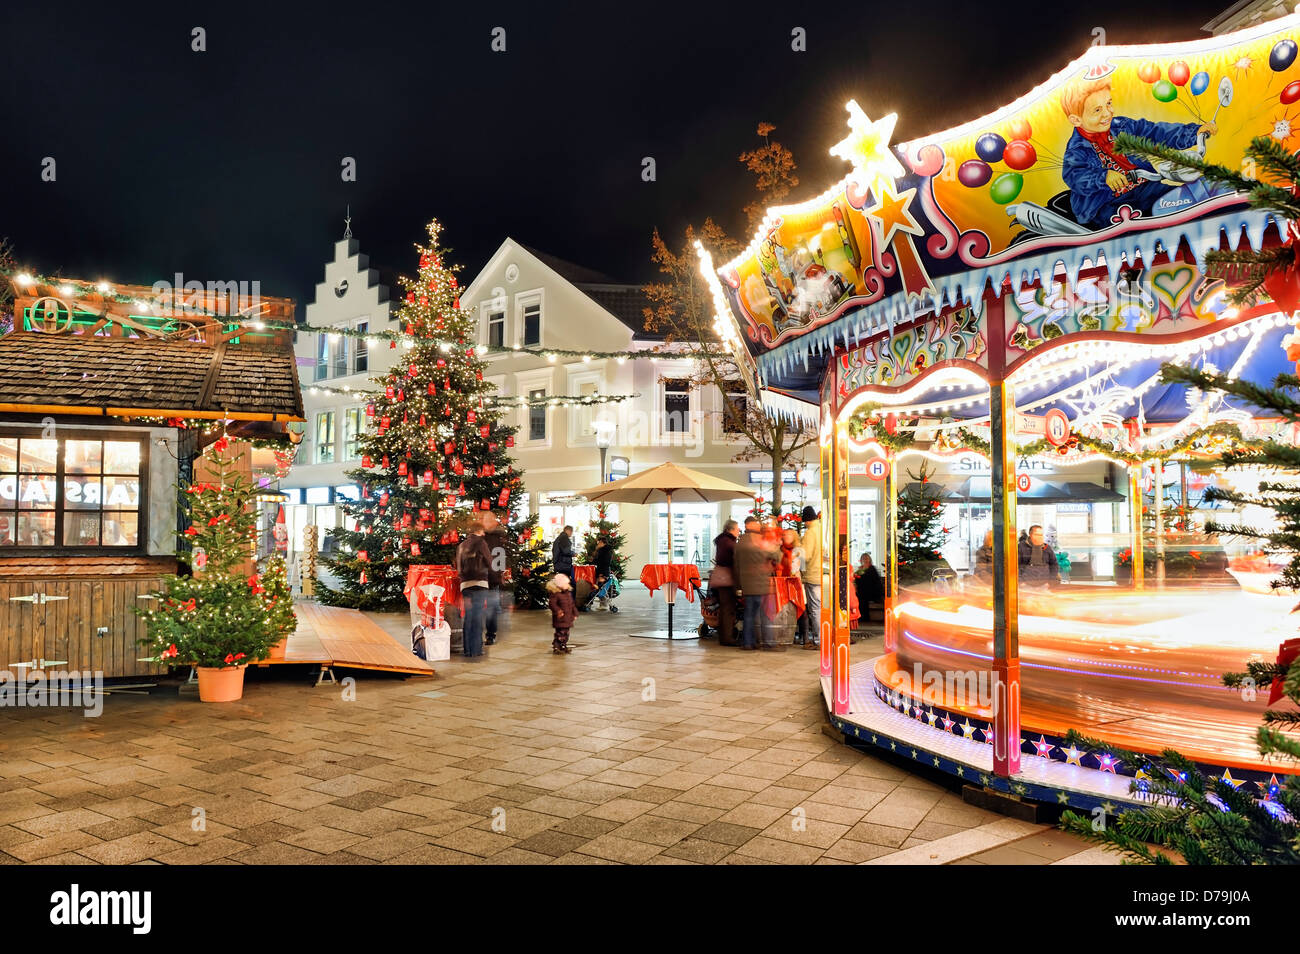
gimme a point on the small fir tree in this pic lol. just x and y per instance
(279, 597)
(921, 531)
(610, 531)
(219, 616)
(436, 448)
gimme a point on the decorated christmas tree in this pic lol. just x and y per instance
(435, 451)
(921, 532)
(223, 615)
(610, 531)
(531, 568)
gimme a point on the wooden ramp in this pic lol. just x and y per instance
(333, 636)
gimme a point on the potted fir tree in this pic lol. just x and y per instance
(222, 617)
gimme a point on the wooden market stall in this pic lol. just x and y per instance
(107, 398)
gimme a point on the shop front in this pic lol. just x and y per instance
(999, 321)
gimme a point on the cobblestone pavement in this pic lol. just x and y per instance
(628, 750)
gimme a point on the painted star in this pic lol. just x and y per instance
(1072, 756)
(1019, 788)
(1143, 779)
(892, 212)
(892, 746)
(1227, 777)
(967, 729)
(1043, 748)
(873, 738)
(1180, 776)
(1107, 762)
(1270, 788)
(1108, 808)
(947, 724)
(1063, 798)
(936, 761)
(961, 771)
(914, 753)
(930, 717)
(875, 166)
(988, 735)
(984, 778)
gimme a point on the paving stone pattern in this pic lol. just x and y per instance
(523, 758)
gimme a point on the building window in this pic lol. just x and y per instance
(496, 329)
(536, 416)
(75, 492)
(325, 437)
(354, 429)
(361, 350)
(677, 406)
(341, 356)
(322, 357)
(735, 405)
(532, 324)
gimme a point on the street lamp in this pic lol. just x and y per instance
(604, 438)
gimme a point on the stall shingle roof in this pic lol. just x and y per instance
(80, 371)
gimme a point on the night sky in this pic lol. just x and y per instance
(225, 165)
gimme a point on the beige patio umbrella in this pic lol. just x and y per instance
(664, 484)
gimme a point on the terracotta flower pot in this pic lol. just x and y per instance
(278, 650)
(221, 683)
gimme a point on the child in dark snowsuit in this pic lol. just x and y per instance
(563, 611)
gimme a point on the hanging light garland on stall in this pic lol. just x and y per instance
(500, 400)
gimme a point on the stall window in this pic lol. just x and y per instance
(74, 492)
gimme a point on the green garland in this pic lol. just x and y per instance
(866, 418)
(500, 400)
(979, 445)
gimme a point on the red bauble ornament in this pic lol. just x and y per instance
(365, 460)
(470, 416)
(492, 448)
(483, 431)
(415, 549)
(484, 504)
(442, 363)
(385, 421)
(370, 410)
(388, 392)
(413, 371)
(510, 441)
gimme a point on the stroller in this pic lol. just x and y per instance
(605, 594)
(711, 612)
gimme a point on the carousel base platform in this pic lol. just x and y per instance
(873, 721)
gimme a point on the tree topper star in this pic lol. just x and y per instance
(867, 147)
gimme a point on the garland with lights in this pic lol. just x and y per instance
(499, 400)
(889, 432)
(1231, 432)
(435, 455)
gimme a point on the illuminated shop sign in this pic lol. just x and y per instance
(40, 491)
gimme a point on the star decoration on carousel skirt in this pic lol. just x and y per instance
(930, 717)
(1043, 748)
(875, 166)
(1062, 797)
(1108, 807)
(1072, 756)
(947, 724)
(1143, 779)
(914, 754)
(988, 735)
(1020, 788)
(891, 211)
(1270, 788)
(967, 729)
(1227, 777)
(1107, 762)
(936, 761)
(961, 771)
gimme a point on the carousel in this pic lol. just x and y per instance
(1008, 291)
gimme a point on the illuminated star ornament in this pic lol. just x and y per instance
(1234, 782)
(967, 729)
(1270, 787)
(1043, 748)
(866, 147)
(1107, 762)
(1072, 756)
(948, 724)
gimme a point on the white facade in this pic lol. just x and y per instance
(350, 296)
(524, 302)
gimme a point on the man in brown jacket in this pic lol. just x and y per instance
(812, 576)
(755, 561)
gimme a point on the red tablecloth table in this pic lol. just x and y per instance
(786, 589)
(423, 574)
(683, 575)
(584, 571)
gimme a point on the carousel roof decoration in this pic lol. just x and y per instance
(1026, 224)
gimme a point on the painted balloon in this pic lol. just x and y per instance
(1200, 83)
(1179, 73)
(928, 161)
(973, 173)
(1290, 94)
(1020, 129)
(1282, 56)
(1148, 72)
(1019, 155)
(989, 147)
(1165, 91)
(1006, 187)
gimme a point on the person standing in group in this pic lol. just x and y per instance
(792, 560)
(473, 563)
(1038, 565)
(755, 562)
(868, 585)
(564, 611)
(562, 552)
(722, 581)
(494, 536)
(812, 576)
(984, 559)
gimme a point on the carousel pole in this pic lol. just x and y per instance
(842, 570)
(1157, 468)
(826, 474)
(672, 587)
(891, 549)
(1135, 521)
(1006, 556)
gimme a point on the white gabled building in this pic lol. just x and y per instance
(531, 302)
(356, 296)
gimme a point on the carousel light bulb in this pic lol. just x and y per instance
(103, 288)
